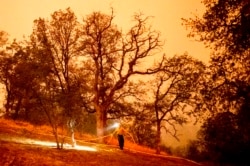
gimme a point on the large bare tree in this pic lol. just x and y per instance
(114, 57)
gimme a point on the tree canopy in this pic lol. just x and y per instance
(224, 25)
(225, 28)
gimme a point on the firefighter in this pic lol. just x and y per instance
(120, 132)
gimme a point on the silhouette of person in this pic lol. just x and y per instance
(120, 131)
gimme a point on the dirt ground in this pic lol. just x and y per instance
(20, 148)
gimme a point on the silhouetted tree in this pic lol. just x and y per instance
(18, 76)
(58, 40)
(114, 58)
(5, 68)
(222, 139)
(225, 27)
(175, 94)
(142, 129)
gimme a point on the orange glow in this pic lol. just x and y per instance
(36, 142)
(80, 147)
(28, 141)
(53, 144)
(17, 18)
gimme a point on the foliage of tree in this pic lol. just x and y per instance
(194, 151)
(58, 38)
(223, 140)
(225, 27)
(12, 69)
(3, 38)
(142, 128)
(175, 93)
(5, 64)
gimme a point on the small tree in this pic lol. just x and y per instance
(142, 128)
(175, 93)
(58, 39)
(18, 77)
(221, 138)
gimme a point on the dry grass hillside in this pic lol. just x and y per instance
(23, 144)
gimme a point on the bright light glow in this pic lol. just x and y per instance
(42, 143)
(50, 144)
(86, 148)
(31, 141)
(115, 125)
(65, 146)
(79, 147)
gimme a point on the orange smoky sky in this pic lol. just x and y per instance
(17, 16)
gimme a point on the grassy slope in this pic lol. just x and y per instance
(20, 145)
